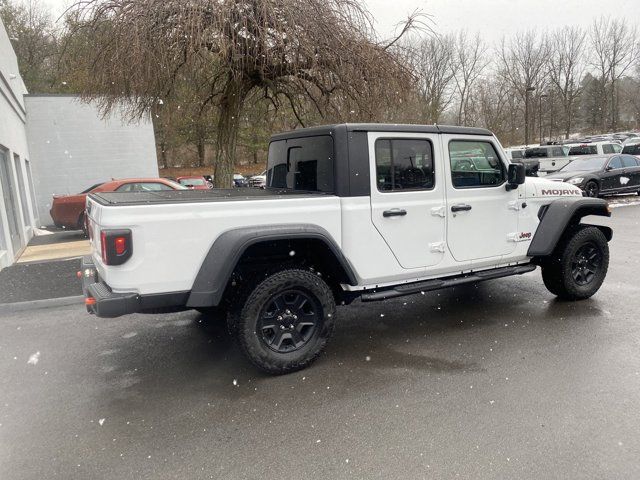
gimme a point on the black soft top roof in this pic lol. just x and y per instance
(380, 127)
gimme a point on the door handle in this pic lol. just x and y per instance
(394, 212)
(461, 207)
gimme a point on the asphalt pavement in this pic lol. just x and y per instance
(498, 381)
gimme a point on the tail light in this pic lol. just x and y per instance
(116, 245)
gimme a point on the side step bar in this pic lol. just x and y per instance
(437, 284)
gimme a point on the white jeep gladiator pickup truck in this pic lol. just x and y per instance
(366, 211)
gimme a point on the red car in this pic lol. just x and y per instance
(67, 211)
(195, 182)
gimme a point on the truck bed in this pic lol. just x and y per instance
(196, 196)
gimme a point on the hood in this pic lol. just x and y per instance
(567, 175)
(541, 187)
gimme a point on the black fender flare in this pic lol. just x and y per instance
(223, 256)
(562, 214)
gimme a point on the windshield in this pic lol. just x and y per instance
(585, 164)
(93, 187)
(192, 182)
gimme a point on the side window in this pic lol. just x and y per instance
(404, 164)
(617, 148)
(124, 188)
(629, 161)
(475, 164)
(558, 152)
(615, 163)
(607, 148)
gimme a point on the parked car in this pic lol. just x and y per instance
(602, 175)
(594, 148)
(632, 148)
(240, 181)
(366, 211)
(67, 211)
(550, 157)
(258, 181)
(195, 182)
(516, 155)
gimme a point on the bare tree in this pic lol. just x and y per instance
(34, 39)
(522, 61)
(432, 59)
(326, 51)
(566, 67)
(470, 62)
(615, 50)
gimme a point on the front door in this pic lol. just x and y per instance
(613, 178)
(10, 203)
(407, 196)
(482, 214)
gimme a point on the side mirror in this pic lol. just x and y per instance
(608, 169)
(516, 175)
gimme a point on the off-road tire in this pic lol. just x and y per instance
(559, 271)
(244, 317)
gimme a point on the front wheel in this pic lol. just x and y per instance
(285, 321)
(592, 189)
(578, 266)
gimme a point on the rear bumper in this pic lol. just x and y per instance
(101, 301)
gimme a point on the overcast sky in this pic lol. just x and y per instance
(492, 18)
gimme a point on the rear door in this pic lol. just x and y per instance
(631, 171)
(482, 214)
(407, 196)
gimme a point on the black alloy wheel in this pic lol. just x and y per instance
(289, 320)
(591, 189)
(585, 264)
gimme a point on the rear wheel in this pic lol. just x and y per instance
(578, 266)
(285, 322)
(592, 189)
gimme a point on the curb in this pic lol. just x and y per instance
(38, 304)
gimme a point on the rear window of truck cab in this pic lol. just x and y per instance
(304, 164)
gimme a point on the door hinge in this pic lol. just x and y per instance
(437, 247)
(438, 211)
(514, 205)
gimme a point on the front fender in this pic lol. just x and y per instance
(562, 214)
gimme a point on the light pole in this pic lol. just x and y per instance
(544, 95)
(526, 113)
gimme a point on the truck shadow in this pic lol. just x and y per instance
(373, 344)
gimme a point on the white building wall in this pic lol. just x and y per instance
(13, 148)
(73, 147)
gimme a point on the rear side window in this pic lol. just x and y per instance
(536, 152)
(607, 148)
(304, 164)
(557, 152)
(584, 150)
(404, 164)
(629, 161)
(475, 164)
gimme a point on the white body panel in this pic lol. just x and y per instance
(171, 241)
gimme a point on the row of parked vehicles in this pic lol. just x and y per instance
(68, 211)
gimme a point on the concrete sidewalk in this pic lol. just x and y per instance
(56, 245)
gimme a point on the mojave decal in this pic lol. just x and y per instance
(559, 192)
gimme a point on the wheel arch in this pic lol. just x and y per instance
(236, 246)
(559, 216)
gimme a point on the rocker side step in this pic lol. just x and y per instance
(437, 284)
